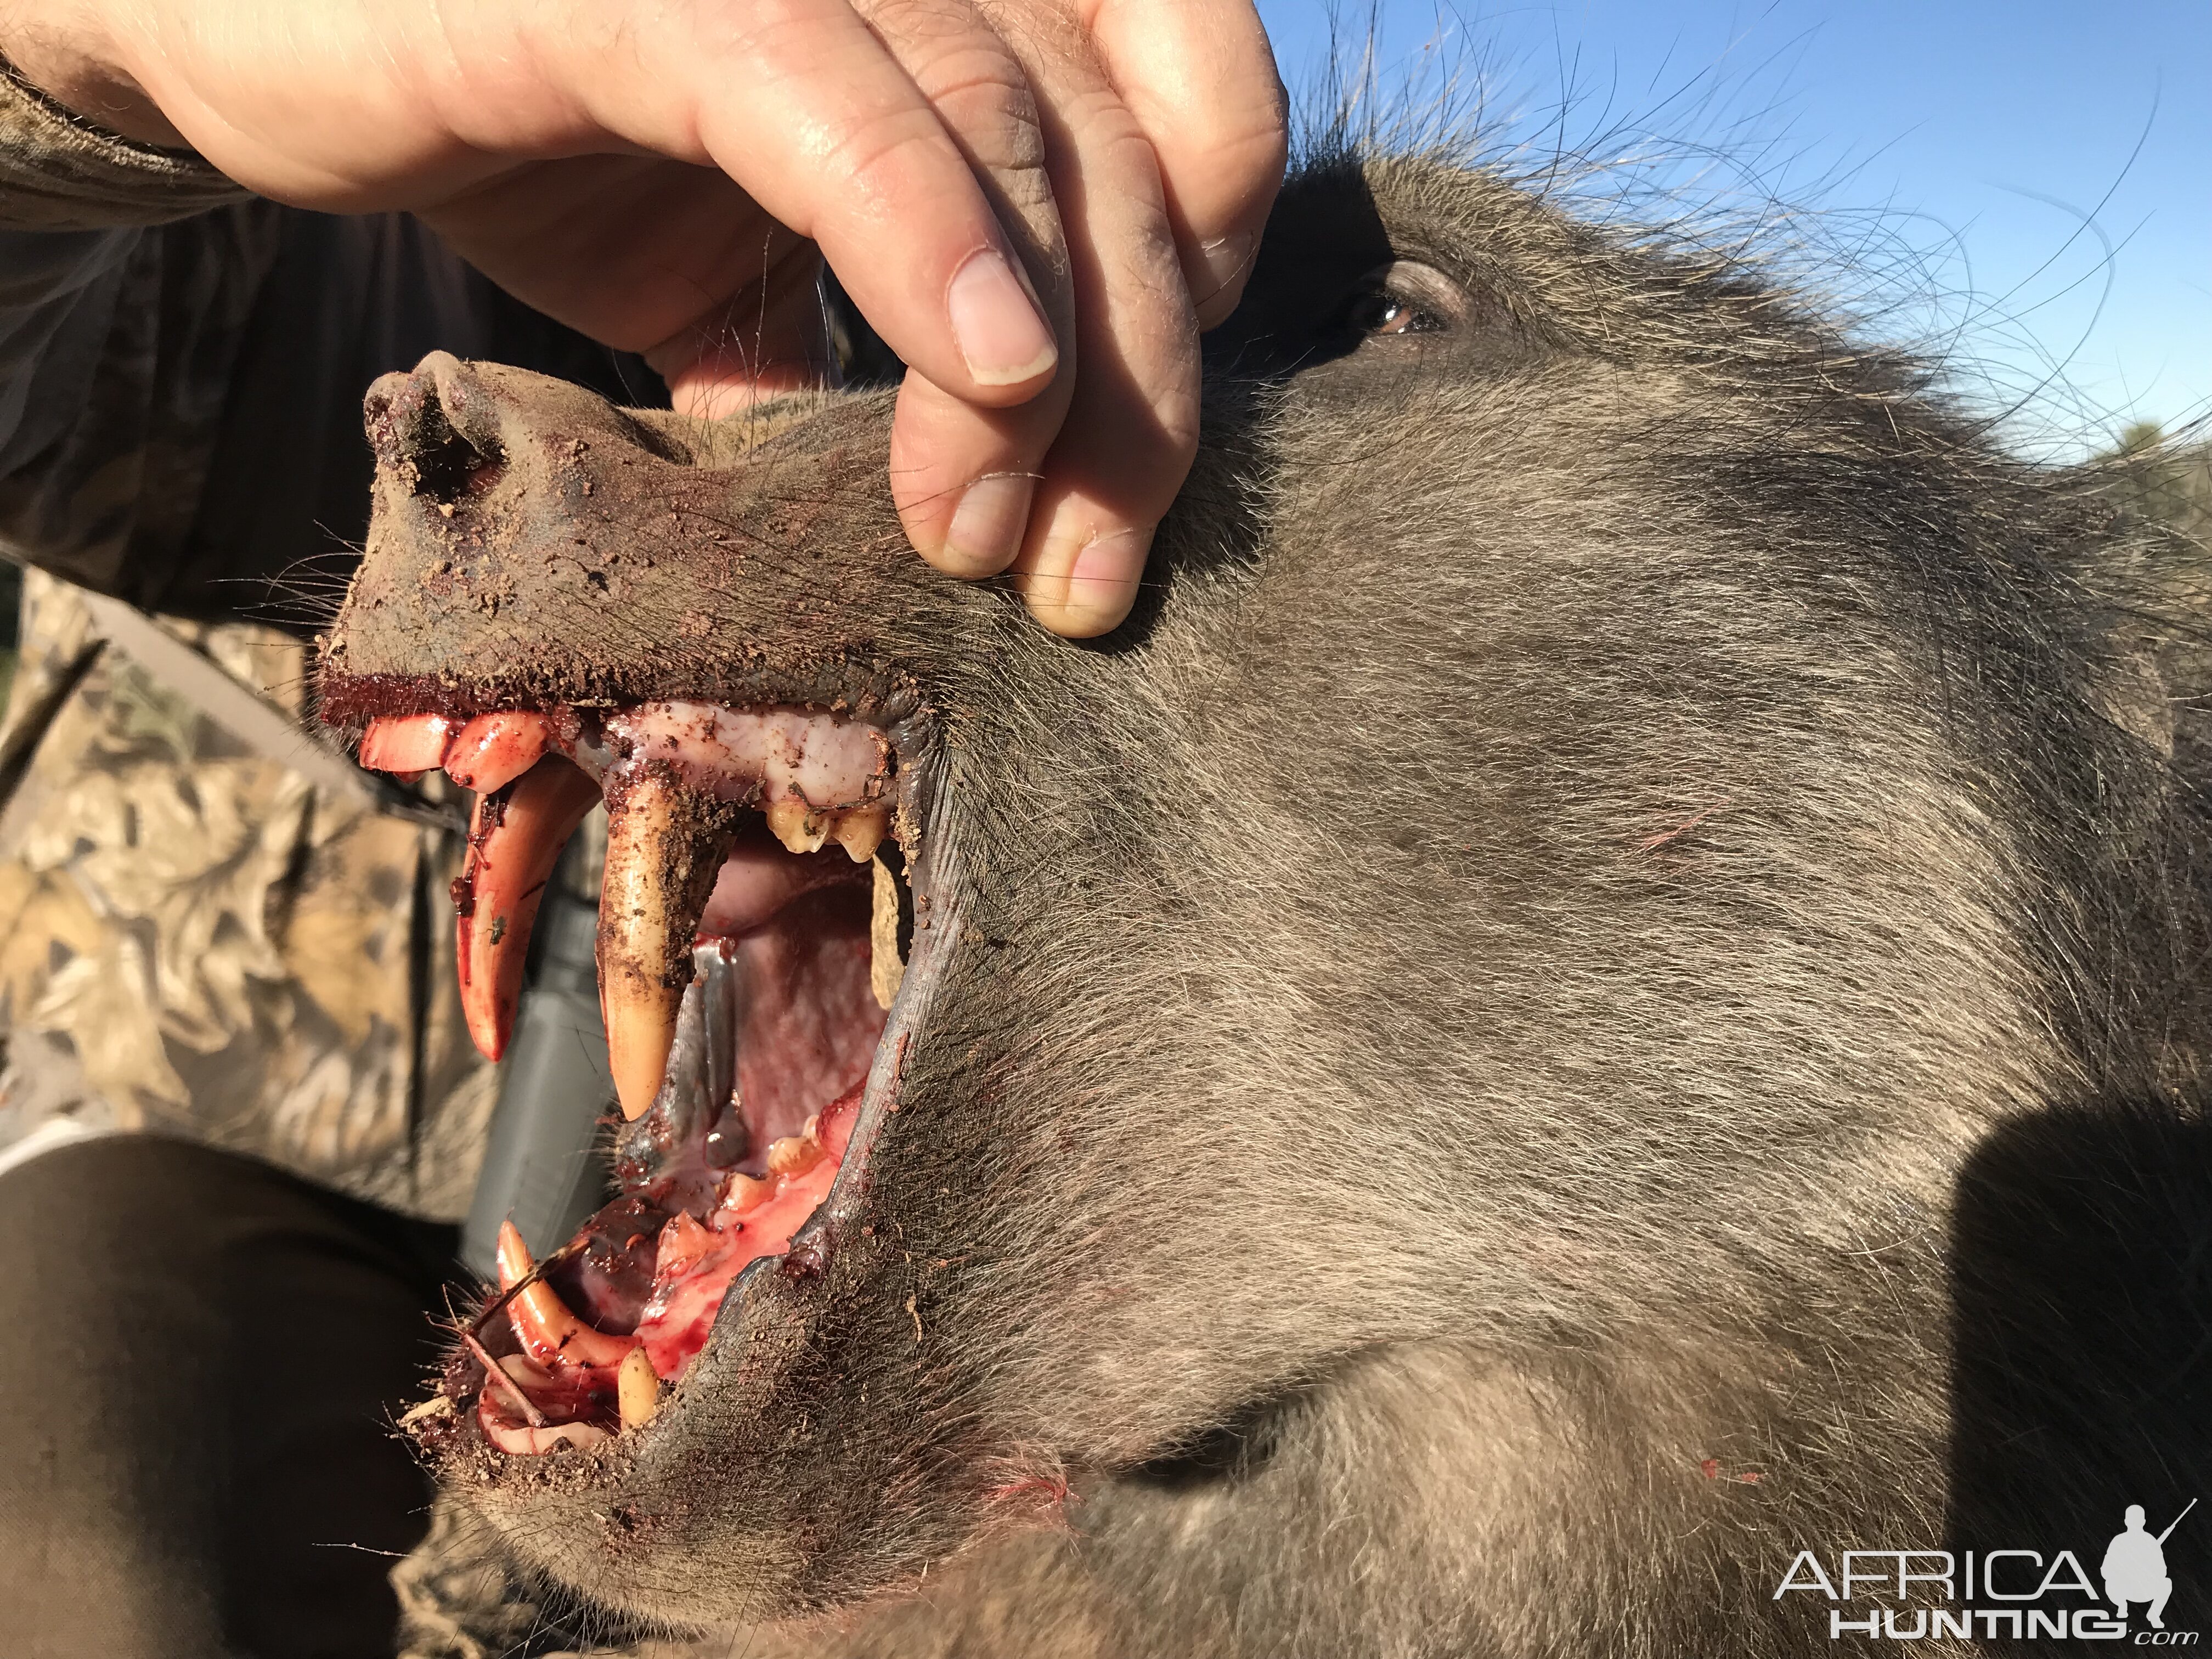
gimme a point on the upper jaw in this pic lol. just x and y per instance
(531, 546)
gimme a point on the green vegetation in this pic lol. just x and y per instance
(2168, 481)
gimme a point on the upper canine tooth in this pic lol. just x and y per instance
(515, 839)
(665, 844)
(796, 825)
(859, 831)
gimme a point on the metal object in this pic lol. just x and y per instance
(546, 1164)
(254, 722)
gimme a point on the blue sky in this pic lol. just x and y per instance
(1964, 143)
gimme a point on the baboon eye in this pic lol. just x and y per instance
(1386, 312)
(1403, 298)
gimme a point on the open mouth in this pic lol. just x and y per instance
(753, 929)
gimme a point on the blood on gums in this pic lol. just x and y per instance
(640, 1273)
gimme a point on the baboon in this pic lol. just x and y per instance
(1604, 984)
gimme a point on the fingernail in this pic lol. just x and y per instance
(986, 531)
(1000, 331)
(1226, 259)
(1101, 583)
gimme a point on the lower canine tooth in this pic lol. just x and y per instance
(554, 1336)
(637, 1389)
(665, 846)
(796, 825)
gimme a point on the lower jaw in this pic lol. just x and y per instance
(567, 1381)
(745, 988)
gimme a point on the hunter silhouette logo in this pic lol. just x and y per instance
(2018, 1594)
(2135, 1566)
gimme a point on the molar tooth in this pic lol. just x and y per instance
(885, 969)
(665, 846)
(515, 838)
(793, 1155)
(637, 1390)
(796, 825)
(741, 1192)
(859, 831)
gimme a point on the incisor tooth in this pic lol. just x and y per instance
(885, 970)
(665, 846)
(796, 825)
(859, 831)
(637, 1390)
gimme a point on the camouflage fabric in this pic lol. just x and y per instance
(59, 172)
(195, 938)
(199, 940)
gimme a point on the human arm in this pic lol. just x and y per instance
(1036, 203)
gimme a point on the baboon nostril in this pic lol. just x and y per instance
(442, 465)
(433, 433)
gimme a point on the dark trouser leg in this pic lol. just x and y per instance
(201, 1359)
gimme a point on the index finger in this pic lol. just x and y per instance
(803, 105)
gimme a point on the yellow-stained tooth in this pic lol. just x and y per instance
(665, 844)
(741, 1192)
(637, 1390)
(885, 970)
(859, 831)
(796, 825)
(793, 1155)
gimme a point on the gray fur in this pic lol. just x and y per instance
(1631, 895)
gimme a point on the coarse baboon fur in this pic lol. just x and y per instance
(1605, 984)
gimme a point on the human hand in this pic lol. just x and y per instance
(1037, 203)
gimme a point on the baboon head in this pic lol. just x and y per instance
(1409, 1100)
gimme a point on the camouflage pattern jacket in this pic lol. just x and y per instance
(204, 931)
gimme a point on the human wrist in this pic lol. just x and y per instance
(66, 162)
(66, 54)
